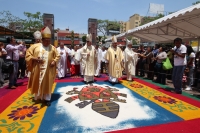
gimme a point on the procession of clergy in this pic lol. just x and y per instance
(45, 62)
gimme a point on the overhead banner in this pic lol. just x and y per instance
(156, 8)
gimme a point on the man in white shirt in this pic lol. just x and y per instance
(180, 62)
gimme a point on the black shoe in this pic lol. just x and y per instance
(16, 85)
(48, 103)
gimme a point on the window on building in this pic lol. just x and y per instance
(136, 22)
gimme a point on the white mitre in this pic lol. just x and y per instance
(114, 39)
(89, 37)
(128, 42)
(37, 35)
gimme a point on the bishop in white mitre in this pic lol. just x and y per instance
(130, 60)
(89, 58)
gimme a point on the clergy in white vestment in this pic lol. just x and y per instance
(130, 60)
(114, 57)
(75, 66)
(99, 59)
(62, 64)
(89, 60)
(103, 62)
(78, 58)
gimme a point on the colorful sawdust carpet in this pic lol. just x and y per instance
(98, 107)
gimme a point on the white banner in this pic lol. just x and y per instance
(156, 8)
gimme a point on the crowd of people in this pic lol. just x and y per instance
(43, 62)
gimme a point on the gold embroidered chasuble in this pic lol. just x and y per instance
(89, 62)
(42, 74)
(114, 56)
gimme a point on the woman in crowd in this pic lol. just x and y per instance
(149, 67)
(2, 55)
(190, 66)
(161, 74)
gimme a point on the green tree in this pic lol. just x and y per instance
(8, 20)
(72, 39)
(134, 42)
(105, 25)
(197, 2)
(33, 22)
(148, 19)
(84, 39)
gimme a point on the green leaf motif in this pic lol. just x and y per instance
(3, 121)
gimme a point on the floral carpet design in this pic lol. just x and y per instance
(134, 104)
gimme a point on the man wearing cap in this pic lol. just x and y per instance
(99, 59)
(42, 59)
(89, 58)
(130, 59)
(62, 63)
(114, 57)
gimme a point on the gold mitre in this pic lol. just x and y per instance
(114, 39)
(89, 37)
(37, 35)
(46, 32)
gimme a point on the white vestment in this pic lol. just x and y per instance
(88, 62)
(73, 55)
(130, 61)
(99, 59)
(62, 64)
(78, 58)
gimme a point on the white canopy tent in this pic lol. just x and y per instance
(184, 24)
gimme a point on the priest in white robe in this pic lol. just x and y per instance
(89, 60)
(62, 64)
(130, 61)
(78, 58)
(114, 57)
(99, 60)
(75, 66)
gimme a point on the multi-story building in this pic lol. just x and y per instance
(133, 22)
(92, 28)
(65, 37)
(48, 20)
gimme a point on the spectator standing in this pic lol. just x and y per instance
(180, 62)
(13, 55)
(190, 66)
(161, 73)
(22, 62)
(2, 54)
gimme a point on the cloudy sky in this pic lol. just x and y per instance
(75, 13)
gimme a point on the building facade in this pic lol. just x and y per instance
(48, 20)
(133, 22)
(65, 36)
(92, 28)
